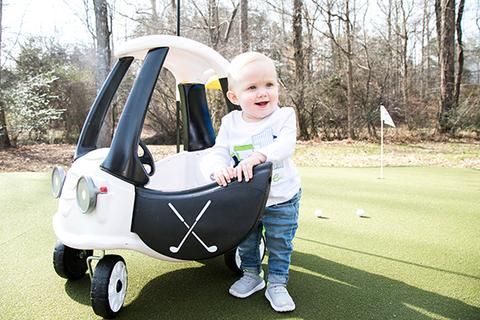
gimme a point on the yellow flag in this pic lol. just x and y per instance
(213, 83)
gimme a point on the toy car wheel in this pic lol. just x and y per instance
(70, 263)
(233, 260)
(109, 286)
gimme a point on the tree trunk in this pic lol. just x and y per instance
(349, 71)
(213, 24)
(299, 68)
(155, 20)
(103, 42)
(389, 75)
(429, 64)
(404, 71)
(244, 25)
(423, 44)
(103, 54)
(4, 140)
(460, 57)
(446, 34)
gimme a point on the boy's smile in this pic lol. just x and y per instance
(256, 90)
(262, 103)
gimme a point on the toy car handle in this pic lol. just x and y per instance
(147, 158)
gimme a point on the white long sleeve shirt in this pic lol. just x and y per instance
(273, 136)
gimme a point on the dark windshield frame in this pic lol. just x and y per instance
(122, 160)
(91, 128)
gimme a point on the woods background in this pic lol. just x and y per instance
(337, 62)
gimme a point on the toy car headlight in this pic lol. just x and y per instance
(86, 194)
(57, 181)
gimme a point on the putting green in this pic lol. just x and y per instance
(414, 256)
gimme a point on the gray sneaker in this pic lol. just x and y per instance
(279, 298)
(247, 285)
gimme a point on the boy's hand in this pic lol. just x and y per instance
(224, 176)
(245, 167)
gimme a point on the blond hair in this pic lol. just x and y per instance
(240, 61)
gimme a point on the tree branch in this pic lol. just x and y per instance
(230, 22)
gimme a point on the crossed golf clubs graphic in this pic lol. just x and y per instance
(174, 249)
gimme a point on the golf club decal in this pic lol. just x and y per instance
(175, 249)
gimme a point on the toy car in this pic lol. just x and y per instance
(120, 198)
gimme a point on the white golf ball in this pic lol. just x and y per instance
(318, 213)
(360, 213)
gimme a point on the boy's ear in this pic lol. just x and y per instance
(232, 97)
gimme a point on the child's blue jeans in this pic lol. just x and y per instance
(281, 223)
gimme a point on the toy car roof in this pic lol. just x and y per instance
(188, 60)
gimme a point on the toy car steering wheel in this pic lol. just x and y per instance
(147, 158)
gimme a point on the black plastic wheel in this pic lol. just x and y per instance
(109, 286)
(233, 261)
(70, 263)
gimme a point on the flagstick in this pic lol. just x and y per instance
(381, 149)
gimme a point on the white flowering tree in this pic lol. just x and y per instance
(30, 108)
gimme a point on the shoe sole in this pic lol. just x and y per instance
(259, 287)
(277, 308)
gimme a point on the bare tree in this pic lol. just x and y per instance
(155, 17)
(343, 17)
(366, 106)
(425, 48)
(403, 37)
(84, 18)
(102, 34)
(103, 57)
(214, 25)
(349, 55)
(4, 140)
(298, 57)
(388, 78)
(445, 17)
(460, 55)
(312, 79)
(244, 38)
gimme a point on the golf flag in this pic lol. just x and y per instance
(385, 117)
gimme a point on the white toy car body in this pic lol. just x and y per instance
(114, 198)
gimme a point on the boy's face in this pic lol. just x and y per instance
(256, 90)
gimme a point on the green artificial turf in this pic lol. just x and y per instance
(415, 255)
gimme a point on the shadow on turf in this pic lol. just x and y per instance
(326, 290)
(79, 290)
(391, 259)
(349, 293)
